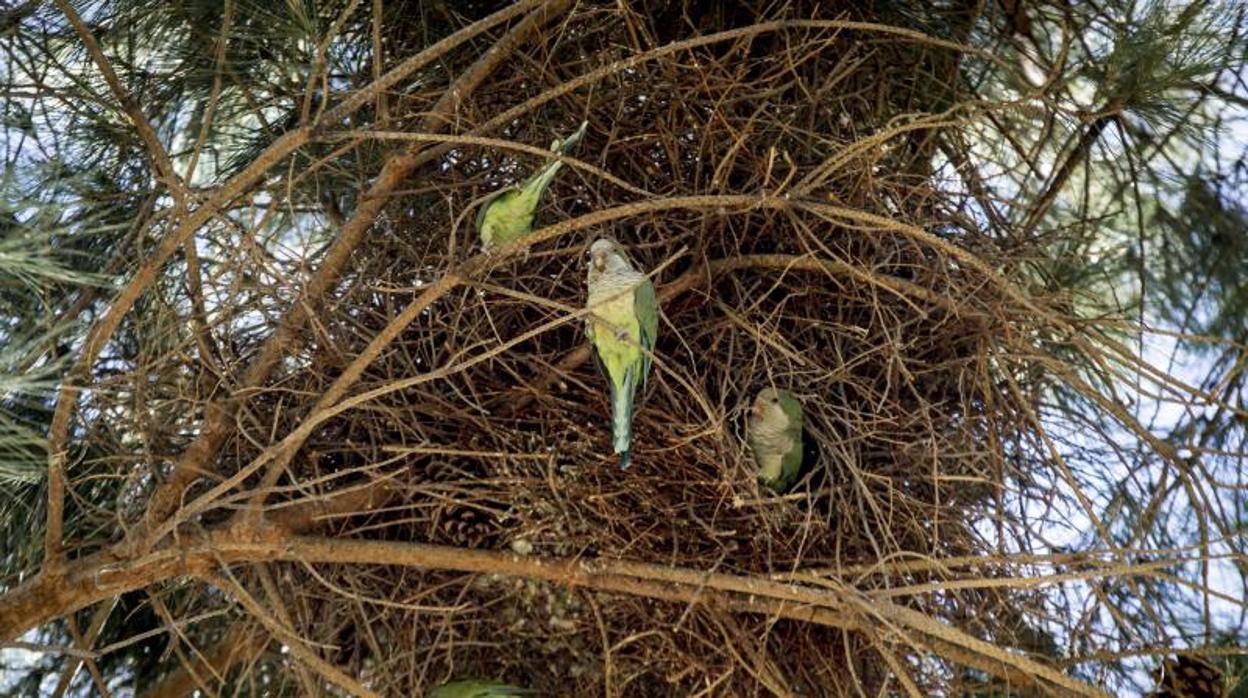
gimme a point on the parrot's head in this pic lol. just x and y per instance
(606, 254)
(768, 409)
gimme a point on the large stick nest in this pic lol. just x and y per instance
(900, 334)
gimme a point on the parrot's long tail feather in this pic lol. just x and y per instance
(565, 147)
(537, 185)
(622, 418)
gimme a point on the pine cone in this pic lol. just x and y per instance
(468, 527)
(1188, 677)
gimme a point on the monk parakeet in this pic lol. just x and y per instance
(774, 429)
(476, 689)
(508, 213)
(623, 323)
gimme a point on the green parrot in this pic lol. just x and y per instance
(472, 688)
(774, 429)
(508, 213)
(623, 324)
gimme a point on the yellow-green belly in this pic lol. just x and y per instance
(609, 317)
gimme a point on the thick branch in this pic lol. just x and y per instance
(44, 598)
(302, 516)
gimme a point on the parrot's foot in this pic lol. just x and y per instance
(621, 335)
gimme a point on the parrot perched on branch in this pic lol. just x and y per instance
(508, 213)
(623, 324)
(774, 429)
(476, 689)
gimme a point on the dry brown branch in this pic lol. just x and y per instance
(93, 580)
(85, 642)
(297, 646)
(240, 642)
(53, 539)
(155, 149)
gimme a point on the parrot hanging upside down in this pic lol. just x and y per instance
(476, 689)
(622, 326)
(774, 429)
(508, 213)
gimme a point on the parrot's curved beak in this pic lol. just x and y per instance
(600, 260)
(756, 408)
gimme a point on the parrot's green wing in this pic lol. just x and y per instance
(792, 409)
(790, 466)
(791, 462)
(484, 208)
(477, 689)
(646, 304)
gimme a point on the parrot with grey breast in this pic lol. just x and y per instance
(622, 326)
(774, 430)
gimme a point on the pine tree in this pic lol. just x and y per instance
(266, 413)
